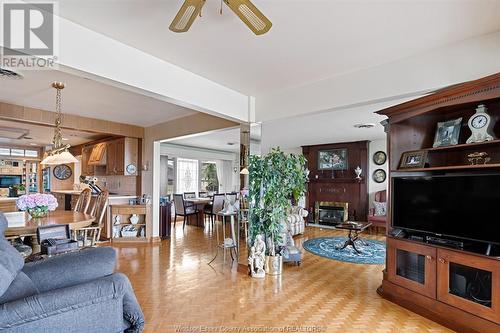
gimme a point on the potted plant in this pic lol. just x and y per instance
(274, 179)
(38, 204)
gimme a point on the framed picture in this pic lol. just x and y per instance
(447, 133)
(334, 159)
(379, 176)
(413, 159)
(379, 157)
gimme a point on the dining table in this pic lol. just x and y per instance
(199, 204)
(29, 226)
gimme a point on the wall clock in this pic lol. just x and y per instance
(62, 172)
(379, 176)
(131, 169)
(379, 158)
(481, 126)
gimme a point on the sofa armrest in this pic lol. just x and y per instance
(62, 300)
(71, 269)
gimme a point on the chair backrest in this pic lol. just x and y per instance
(179, 203)
(218, 203)
(189, 195)
(381, 196)
(233, 196)
(83, 203)
(100, 205)
(203, 194)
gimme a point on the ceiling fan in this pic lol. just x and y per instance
(245, 10)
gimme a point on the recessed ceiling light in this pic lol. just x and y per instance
(65, 139)
(365, 125)
(33, 144)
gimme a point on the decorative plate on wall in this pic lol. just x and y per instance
(62, 171)
(379, 176)
(379, 157)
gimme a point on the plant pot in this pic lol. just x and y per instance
(274, 265)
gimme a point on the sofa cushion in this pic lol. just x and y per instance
(21, 287)
(11, 261)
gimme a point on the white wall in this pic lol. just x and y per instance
(373, 187)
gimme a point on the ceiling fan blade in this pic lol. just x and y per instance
(250, 15)
(186, 15)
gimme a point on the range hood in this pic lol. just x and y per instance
(98, 154)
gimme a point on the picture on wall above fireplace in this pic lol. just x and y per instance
(334, 159)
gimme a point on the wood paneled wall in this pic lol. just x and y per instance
(325, 185)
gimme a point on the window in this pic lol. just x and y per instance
(31, 153)
(187, 175)
(17, 152)
(170, 176)
(209, 181)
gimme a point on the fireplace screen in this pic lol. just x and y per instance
(331, 213)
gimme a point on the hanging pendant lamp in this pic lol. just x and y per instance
(59, 153)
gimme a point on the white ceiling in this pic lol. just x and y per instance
(227, 140)
(41, 136)
(310, 40)
(326, 127)
(89, 98)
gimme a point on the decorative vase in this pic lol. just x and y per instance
(134, 219)
(274, 265)
(38, 212)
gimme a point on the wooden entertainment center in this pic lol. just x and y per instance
(425, 286)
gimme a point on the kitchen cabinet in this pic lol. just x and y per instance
(121, 153)
(87, 170)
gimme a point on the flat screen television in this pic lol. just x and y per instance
(460, 206)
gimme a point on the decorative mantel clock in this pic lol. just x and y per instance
(481, 126)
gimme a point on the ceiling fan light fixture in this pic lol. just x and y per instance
(183, 22)
(250, 15)
(186, 15)
(254, 20)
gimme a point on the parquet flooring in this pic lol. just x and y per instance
(179, 292)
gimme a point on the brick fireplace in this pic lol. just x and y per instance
(338, 186)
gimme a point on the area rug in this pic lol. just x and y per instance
(371, 253)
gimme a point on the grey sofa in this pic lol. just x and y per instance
(76, 292)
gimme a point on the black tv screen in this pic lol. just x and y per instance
(462, 206)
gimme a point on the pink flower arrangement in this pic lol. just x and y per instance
(37, 203)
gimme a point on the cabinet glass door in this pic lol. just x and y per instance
(412, 266)
(470, 283)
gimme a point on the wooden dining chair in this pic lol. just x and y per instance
(83, 203)
(92, 234)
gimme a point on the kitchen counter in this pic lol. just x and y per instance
(8, 204)
(7, 199)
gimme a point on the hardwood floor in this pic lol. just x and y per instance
(179, 292)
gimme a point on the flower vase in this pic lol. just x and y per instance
(38, 212)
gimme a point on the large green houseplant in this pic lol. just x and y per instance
(275, 179)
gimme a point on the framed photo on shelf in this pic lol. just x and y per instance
(413, 159)
(447, 133)
(334, 159)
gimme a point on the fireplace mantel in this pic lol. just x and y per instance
(339, 186)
